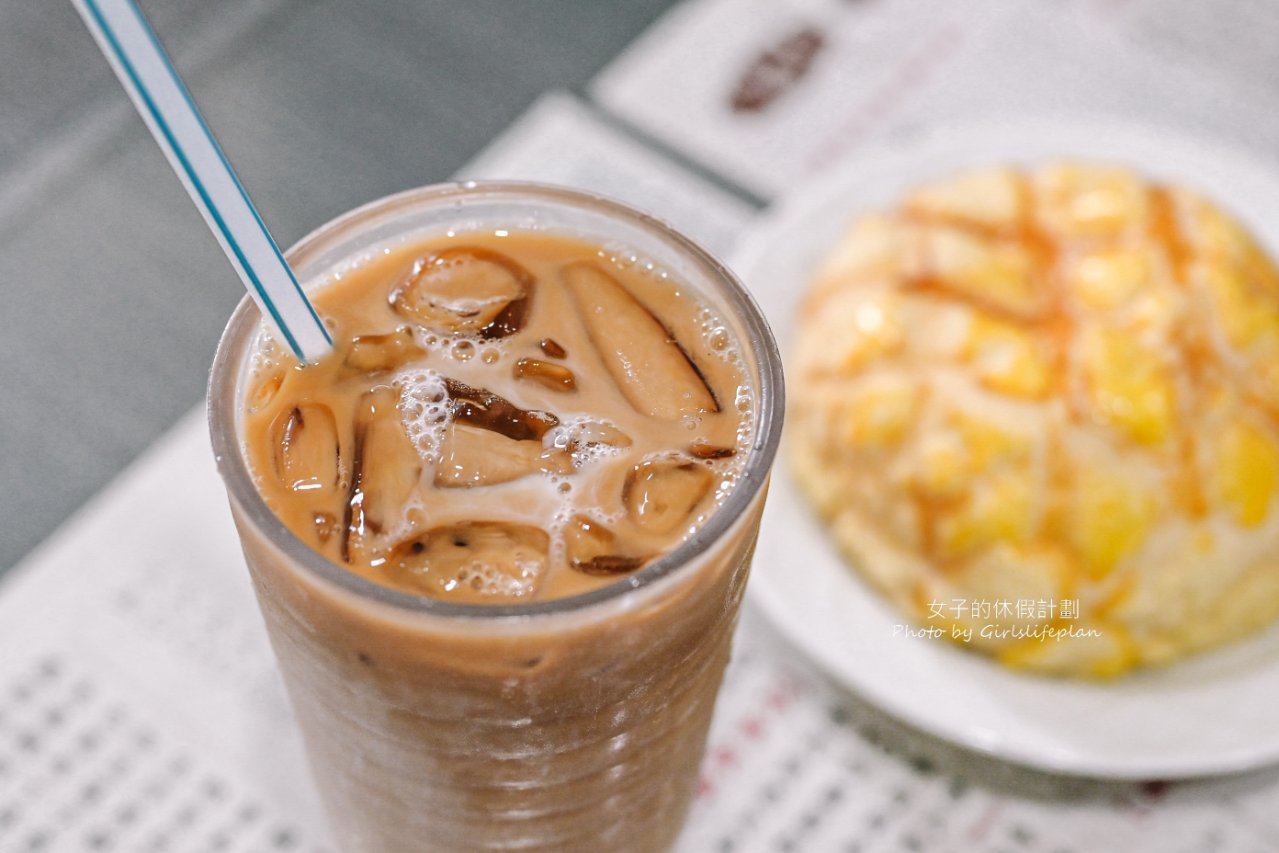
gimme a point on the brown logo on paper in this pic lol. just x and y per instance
(776, 70)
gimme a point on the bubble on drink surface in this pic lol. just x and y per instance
(724, 487)
(717, 340)
(491, 581)
(268, 353)
(744, 403)
(622, 257)
(424, 406)
(618, 256)
(461, 348)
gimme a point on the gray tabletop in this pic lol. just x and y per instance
(114, 292)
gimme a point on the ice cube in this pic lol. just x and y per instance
(553, 349)
(706, 450)
(307, 457)
(587, 440)
(660, 494)
(264, 391)
(592, 548)
(654, 372)
(471, 456)
(385, 472)
(378, 353)
(483, 408)
(473, 561)
(557, 377)
(466, 290)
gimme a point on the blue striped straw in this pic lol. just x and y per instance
(130, 45)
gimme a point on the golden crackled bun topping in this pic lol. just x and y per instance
(1054, 384)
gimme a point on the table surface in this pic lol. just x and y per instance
(111, 276)
(114, 291)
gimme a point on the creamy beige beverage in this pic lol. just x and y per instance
(500, 536)
(506, 416)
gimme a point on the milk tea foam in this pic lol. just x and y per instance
(507, 416)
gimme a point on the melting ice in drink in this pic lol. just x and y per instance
(506, 416)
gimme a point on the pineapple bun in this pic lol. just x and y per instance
(1043, 406)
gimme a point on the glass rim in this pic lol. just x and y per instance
(245, 320)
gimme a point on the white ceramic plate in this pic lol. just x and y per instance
(1214, 714)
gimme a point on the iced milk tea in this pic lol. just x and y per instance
(515, 435)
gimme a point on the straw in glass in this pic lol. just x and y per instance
(130, 45)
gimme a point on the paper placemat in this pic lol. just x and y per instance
(140, 709)
(773, 92)
(560, 140)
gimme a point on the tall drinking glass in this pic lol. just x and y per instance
(570, 724)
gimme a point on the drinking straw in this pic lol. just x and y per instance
(130, 45)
